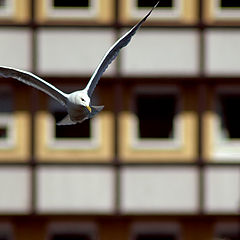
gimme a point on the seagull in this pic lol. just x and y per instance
(78, 103)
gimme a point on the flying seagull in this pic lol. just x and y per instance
(78, 103)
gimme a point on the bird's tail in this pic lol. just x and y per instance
(66, 121)
(95, 110)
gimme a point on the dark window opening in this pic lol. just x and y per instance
(151, 3)
(70, 237)
(230, 3)
(2, 3)
(4, 238)
(230, 114)
(70, 3)
(3, 134)
(79, 130)
(229, 236)
(156, 114)
(6, 101)
(155, 237)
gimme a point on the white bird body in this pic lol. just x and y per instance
(78, 108)
(78, 103)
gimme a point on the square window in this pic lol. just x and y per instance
(2, 3)
(222, 11)
(75, 11)
(155, 231)
(3, 132)
(71, 131)
(227, 231)
(158, 123)
(221, 124)
(70, 236)
(6, 105)
(70, 3)
(156, 119)
(14, 119)
(155, 115)
(90, 140)
(6, 231)
(151, 3)
(155, 237)
(178, 11)
(229, 237)
(71, 231)
(230, 3)
(72, 9)
(6, 118)
(230, 118)
(77, 136)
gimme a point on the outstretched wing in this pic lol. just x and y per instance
(34, 81)
(112, 54)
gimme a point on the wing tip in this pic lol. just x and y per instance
(156, 4)
(144, 19)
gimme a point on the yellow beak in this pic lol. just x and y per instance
(89, 108)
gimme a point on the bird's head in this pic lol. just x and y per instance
(84, 100)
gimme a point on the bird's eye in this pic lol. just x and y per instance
(82, 100)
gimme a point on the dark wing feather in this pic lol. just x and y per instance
(34, 81)
(112, 54)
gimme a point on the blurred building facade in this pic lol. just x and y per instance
(161, 161)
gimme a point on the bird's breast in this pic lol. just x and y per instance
(77, 112)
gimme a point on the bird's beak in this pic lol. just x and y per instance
(89, 108)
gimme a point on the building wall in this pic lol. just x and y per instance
(161, 161)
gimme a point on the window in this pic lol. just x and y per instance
(156, 114)
(91, 140)
(2, 3)
(72, 9)
(70, 236)
(159, 123)
(70, 3)
(75, 11)
(221, 11)
(230, 118)
(84, 135)
(151, 3)
(3, 237)
(230, 3)
(6, 232)
(179, 11)
(229, 237)
(6, 118)
(71, 131)
(155, 231)
(3, 129)
(155, 237)
(3, 132)
(221, 124)
(156, 123)
(71, 231)
(227, 231)
(14, 125)
(6, 105)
